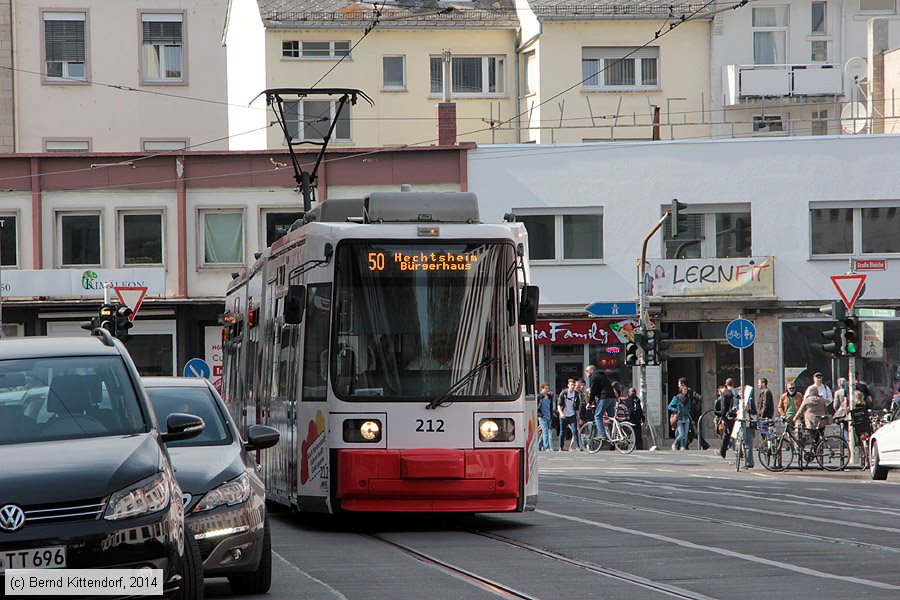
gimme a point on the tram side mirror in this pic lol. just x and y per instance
(294, 304)
(528, 306)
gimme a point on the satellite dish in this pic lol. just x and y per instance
(856, 68)
(853, 117)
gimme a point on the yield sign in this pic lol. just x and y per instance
(849, 286)
(131, 297)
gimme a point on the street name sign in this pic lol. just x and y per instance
(849, 287)
(869, 264)
(612, 309)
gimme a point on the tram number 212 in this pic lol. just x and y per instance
(430, 425)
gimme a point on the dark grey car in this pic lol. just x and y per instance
(224, 498)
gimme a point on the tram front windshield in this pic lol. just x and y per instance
(413, 320)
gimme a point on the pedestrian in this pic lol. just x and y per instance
(812, 410)
(635, 417)
(603, 397)
(764, 399)
(861, 386)
(587, 410)
(568, 405)
(693, 401)
(841, 397)
(822, 390)
(680, 410)
(789, 402)
(545, 412)
(727, 413)
(746, 410)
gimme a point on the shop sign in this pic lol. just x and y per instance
(872, 339)
(80, 283)
(685, 348)
(710, 277)
(213, 353)
(583, 331)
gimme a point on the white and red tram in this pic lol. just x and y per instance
(388, 339)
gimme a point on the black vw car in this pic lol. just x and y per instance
(86, 481)
(224, 498)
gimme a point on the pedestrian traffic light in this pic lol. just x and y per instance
(631, 352)
(676, 225)
(849, 339)
(123, 322)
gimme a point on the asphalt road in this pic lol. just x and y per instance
(647, 525)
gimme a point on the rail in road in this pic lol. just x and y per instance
(649, 525)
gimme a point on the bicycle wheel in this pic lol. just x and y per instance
(779, 454)
(589, 439)
(625, 442)
(832, 453)
(739, 450)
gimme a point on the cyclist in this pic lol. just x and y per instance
(603, 397)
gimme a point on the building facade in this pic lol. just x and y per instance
(171, 229)
(768, 223)
(146, 77)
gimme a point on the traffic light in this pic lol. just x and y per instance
(655, 351)
(631, 353)
(850, 339)
(123, 323)
(837, 342)
(108, 318)
(834, 343)
(661, 347)
(676, 225)
(835, 309)
(91, 325)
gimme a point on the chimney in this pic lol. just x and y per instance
(877, 46)
(446, 123)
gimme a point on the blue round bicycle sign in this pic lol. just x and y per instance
(740, 333)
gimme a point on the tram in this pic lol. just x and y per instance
(388, 339)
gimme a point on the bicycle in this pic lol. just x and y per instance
(618, 433)
(738, 443)
(831, 452)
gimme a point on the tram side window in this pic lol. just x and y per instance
(315, 341)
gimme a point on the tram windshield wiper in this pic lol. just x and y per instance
(462, 381)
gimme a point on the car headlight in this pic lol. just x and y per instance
(497, 430)
(146, 496)
(228, 494)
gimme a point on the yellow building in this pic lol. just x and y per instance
(516, 70)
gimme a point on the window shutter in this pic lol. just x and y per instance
(162, 32)
(64, 41)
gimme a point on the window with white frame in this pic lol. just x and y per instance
(819, 25)
(141, 239)
(222, 237)
(770, 35)
(848, 231)
(320, 50)
(79, 238)
(67, 146)
(711, 234)
(278, 223)
(470, 75)
(530, 68)
(819, 124)
(620, 67)
(163, 145)
(9, 241)
(162, 47)
(64, 45)
(393, 69)
(564, 237)
(309, 120)
(877, 6)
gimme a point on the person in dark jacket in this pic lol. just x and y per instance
(545, 416)
(727, 412)
(765, 401)
(635, 417)
(568, 406)
(603, 397)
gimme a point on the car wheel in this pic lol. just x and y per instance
(260, 580)
(878, 472)
(192, 574)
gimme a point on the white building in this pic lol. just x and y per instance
(110, 76)
(769, 221)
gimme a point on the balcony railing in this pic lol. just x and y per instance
(742, 82)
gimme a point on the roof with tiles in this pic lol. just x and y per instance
(586, 10)
(394, 14)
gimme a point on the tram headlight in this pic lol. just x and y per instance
(497, 430)
(362, 430)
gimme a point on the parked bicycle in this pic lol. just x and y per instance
(618, 433)
(806, 446)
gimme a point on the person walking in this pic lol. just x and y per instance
(635, 417)
(568, 405)
(822, 390)
(765, 402)
(727, 413)
(603, 397)
(680, 409)
(746, 410)
(789, 402)
(545, 416)
(695, 409)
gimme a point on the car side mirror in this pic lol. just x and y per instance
(180, 426)
(294, 303)
(260, 437)
(528, 305)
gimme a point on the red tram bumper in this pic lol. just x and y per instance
(429, 480)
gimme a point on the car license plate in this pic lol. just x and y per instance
(51, 557)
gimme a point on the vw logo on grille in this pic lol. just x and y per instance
(12, 518)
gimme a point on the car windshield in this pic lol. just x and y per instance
(191, 400)
(418, 321)
(44, 399)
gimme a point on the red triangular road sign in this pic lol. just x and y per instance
(131, 297)
(849, 287)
